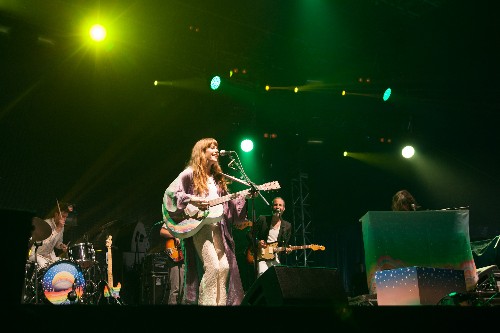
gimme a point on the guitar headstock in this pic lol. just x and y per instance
(269, 186)
(242, 225)
(109, 242)
(315, 247)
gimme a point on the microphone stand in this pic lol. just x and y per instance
(254, 189)
(136, 255)
(248, 182)
(72, 296)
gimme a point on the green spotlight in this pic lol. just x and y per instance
(408, 152)
(215, 82)
(247, 145)
(387, 94)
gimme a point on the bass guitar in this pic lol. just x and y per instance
(269, 252)
(111, 291)
(183, 225)
(174, 251)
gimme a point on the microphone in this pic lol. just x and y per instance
(415, 207)
(226, 152)
(72, 294)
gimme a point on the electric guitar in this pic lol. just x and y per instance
(183, 225)
(173, 251)
(242, 225)
(249, 254)
(115, 290)
(268, 253)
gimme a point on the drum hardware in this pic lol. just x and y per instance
(93, 275)
(37, 244)
(83, 254)
(41, 230)
(29, 287)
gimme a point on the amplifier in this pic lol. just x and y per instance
(155, 289)
(156, 263)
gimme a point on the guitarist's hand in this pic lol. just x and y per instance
(288, 250)
(262, 244)
(252, 194)
(200, 203)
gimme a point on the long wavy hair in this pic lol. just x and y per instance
(198, 163)
(403, 201)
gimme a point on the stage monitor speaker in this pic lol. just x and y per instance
(297, 286)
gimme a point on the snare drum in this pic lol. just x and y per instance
(62, 282)
(83, 254)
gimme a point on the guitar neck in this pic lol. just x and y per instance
(264, 187)
(227, 197)
(298, 247)
(269, 252)
(110, 269)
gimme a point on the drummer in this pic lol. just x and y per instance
(45, 254)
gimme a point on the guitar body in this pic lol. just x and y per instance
(249, 255)
(183, 225)
(268, 253)
(114, 292)
(173, 251)
(186, 226)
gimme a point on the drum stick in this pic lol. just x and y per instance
(67, 245)
(58, 207)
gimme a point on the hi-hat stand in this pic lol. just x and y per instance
(37, 244)
(31, 282)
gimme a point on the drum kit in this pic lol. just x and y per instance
(72, 280)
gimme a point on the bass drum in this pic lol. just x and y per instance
(62, 282)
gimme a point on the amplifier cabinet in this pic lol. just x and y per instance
(156, 263)
(155, 288)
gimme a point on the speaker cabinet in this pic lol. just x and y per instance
(155, 289)
(297, 286)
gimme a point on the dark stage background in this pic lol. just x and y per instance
(86, 125)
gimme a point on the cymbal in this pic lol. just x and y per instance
(40, 229)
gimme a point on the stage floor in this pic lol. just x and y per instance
(161, 318)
